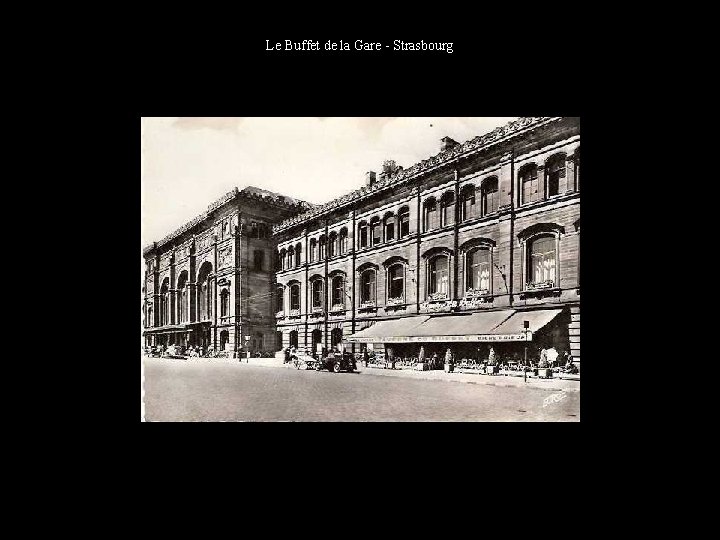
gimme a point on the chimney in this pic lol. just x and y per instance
(369, 178)
(447, 143)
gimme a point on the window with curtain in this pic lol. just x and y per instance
(295, 296)
(338, 291)
(283, 260)
(542, 260)
(317, 293)
(367, 286)
(404, 222)
(323, 248)
(490, 196)
(478, 269)
(529, 183)
(291, 257)
(556, 177)
(439, 276)
(313, 250)
(396, 281)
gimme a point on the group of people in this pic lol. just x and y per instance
(177, 350)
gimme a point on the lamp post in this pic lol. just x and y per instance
(526, 326)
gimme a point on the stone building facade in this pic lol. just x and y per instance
(210, 283)
(490, 225)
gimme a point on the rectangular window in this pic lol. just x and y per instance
(258, 259)
(317, 294)
(376, 233)
(469, 207)
(295, 297)
(404, 225)
(397, 282)
(530, 190)
(363, 236)
(390, 229)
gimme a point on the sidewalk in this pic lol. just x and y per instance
(555, 385)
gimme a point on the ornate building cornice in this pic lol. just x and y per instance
(482, 142)
(250, 194)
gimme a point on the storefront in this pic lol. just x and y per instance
(512, 334)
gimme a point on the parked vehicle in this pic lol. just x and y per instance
(337, 362)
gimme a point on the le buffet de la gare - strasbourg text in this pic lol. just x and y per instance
(358, 45)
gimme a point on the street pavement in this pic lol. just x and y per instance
(178, 390)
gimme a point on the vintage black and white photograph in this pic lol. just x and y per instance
(360, 269)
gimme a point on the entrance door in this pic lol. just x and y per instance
(317, 342)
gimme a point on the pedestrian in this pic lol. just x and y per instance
(287, 355)
(365, 357)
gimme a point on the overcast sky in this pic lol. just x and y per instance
(190, 162)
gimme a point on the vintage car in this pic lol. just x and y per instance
(334, 362)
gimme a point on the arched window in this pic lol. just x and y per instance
(298, 253)
(529, 184)
(323, 248)
(556, 177)
(542, 260)
(431, 215)
(224, 303)
(313, 250)
(317, 293)
(404, 222)
(291, 257)
(283, 260)
(338, 291)
(367, 286)
(396, 282)
(332, 244)
(363, 234)
(469, 208)
(389, 227)
(165, 303)
(490, 196)
(343, 241)
(295, 297)
(439, 278)
(447, 205)
(294, 338)
(279, 299)
(376, 229)
(182, 307)
(478, 265)
(204, 293)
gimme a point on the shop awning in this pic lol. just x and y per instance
(387, 331)
(473, 327)
(537, 320)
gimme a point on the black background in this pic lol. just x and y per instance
(231, 74)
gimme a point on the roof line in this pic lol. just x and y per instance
(481, 142)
